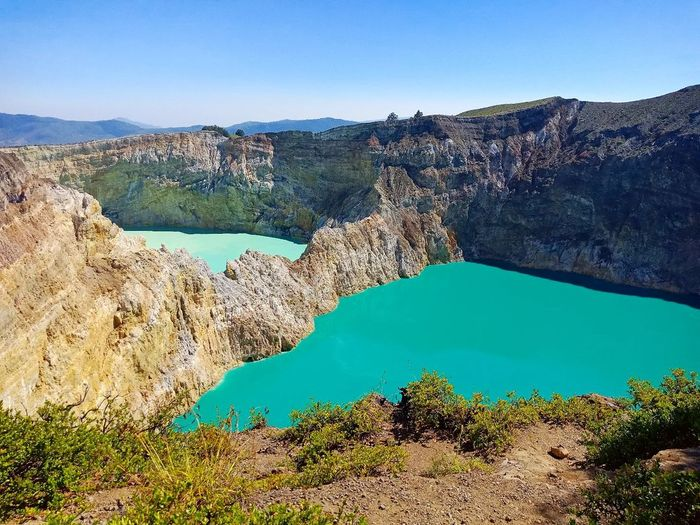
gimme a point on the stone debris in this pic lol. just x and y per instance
(558, 452)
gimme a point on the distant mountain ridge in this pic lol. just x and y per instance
(21, 130)
(316, 125)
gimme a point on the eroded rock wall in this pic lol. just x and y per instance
(598, 189)
(83, 306)
(285, 185)
(604, 190)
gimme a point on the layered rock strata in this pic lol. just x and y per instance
(610, 191)
(86, 309)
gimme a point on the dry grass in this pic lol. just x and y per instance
(451, 463)
(502, 109)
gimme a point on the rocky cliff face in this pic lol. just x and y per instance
(84, 308)
(610, 191)
(288, 185)
(605, 190)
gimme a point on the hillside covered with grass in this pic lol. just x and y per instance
(502, 109)
(52, 466)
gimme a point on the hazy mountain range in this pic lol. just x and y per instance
(19, 130)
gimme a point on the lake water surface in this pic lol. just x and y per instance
(484, 328)
(217, 248)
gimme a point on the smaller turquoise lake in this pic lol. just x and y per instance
(486, 329)
(217, 248)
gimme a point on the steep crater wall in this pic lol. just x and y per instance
(286, 185)
(610, 191)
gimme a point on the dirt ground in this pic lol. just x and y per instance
(524, 486)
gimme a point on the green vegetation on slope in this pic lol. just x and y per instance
(638, 494)
(52, 461)
(312, 182)
(431, 405)
(658, 418)
(168, 193)
(336, 443)
(502, 109)
(217, 129)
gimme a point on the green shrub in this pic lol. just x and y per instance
(490, 429)
(451, 463)
(49, 459)
(665, 417)
(640, 495)
(360, 460)
(158, 510)
(431, 404)
(333, 442)
(43, 459)
(257, 419)
(312, 418)
(320, 443)
(361, 420)
(585, 412)
(366, 418)
(218, 129)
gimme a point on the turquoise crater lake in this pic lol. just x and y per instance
(486, 329)
(217, 248)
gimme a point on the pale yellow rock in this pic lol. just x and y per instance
(82, 306)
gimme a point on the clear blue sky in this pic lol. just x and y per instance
(185, 62)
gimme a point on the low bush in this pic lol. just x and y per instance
(362, 420)
(334, 442)
(53, 458)
(659, 418)
(366, 418)
(257, 419)
(312, 418)
(44, 459)
(320, 443)
(356, 461)
(587, 412)
(490, 428)
(431, 405)
(158, 511)
(640, 495)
